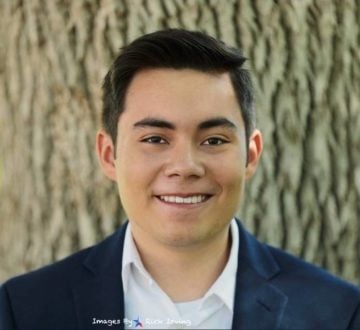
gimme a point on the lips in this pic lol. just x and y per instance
(189, 199)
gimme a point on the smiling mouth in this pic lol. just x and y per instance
(194, 199)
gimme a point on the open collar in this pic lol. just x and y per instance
(258, 303)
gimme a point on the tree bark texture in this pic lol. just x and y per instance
(304, 56)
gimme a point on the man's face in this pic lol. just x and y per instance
(180, 160)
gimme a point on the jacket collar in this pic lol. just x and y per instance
(258, 304)
(101, 296)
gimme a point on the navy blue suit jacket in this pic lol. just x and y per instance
(274, 290)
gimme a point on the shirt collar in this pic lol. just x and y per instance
(223, 287)
(131, 258)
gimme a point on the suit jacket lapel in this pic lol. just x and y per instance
(258, 304)
(100, 298)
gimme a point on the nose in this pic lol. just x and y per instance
(184, 161)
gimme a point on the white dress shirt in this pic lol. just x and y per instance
(148, 304)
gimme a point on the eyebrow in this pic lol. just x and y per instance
(207, 124)
(216, 122)
(154, 122)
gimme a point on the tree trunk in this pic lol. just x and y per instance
(304, 57)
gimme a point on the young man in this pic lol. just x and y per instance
(179, 140)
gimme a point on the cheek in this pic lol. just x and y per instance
(231, 177)
(135, 173)
(230, 164)
(235, 182)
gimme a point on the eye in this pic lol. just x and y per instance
(154, 140)
(215, 141)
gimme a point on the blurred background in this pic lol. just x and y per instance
(304, 56)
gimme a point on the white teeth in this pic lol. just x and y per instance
(180, 200)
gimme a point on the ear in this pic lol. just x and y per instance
(254, 153)
(105, 152)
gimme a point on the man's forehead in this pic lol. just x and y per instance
(185, 87)
(169, 97)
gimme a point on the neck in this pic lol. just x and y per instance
(184, 273)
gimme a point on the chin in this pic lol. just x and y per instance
(183, 236)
